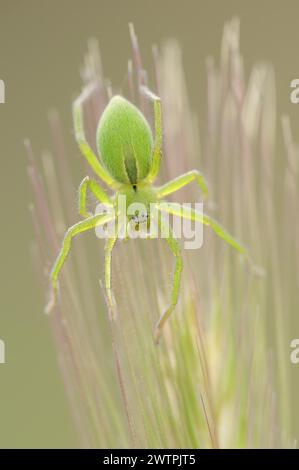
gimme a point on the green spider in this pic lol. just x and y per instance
(130, 163)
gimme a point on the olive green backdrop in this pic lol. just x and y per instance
(41, 49)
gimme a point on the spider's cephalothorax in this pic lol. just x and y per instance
(128, 163)
(137, 200)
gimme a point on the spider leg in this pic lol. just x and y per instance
(83, 144)
(157, 153)
(191, 214)
(110, 243)
(80, 227)
(183, 180)
(95, 188)
(176, 251)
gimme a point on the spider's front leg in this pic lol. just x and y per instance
(80, 227)
(98, 192)
(176, 251)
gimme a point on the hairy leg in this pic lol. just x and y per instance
(191, 214)
(95, 188)
(157, 153)
(83, 144)
(176, 251)
(181, 181)
(110, 243)
(80, 227)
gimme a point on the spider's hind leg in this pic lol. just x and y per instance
(157, 152)
(84, 146)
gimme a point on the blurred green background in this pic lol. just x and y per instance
(41, 48)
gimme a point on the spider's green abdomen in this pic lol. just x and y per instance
(124, 141)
